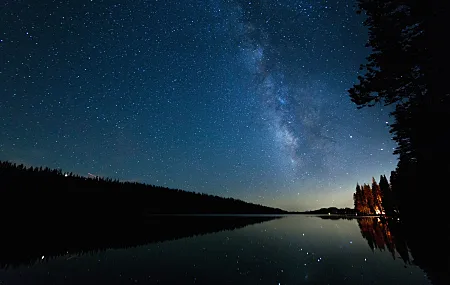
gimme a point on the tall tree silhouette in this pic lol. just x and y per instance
(375, 199)
(358, 199)
(388, 201)
(369, 200)
(403, 70)
(376, 193)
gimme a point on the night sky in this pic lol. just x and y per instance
(243, 99)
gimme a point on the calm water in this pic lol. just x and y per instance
(287, 250)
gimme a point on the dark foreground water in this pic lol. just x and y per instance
(261, 250)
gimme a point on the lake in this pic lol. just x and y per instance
(294, 249)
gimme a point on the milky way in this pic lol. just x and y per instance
(292, 113)
(236, 98)
(295, 112)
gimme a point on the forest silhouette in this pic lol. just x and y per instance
(406, 70)
(44, 190)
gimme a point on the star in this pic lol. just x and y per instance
(191, 102)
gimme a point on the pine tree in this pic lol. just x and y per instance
(394, 72)
(368, 202)
(357, 198)
(376, 193)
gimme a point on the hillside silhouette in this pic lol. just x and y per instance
(52, 193)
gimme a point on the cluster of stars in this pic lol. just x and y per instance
(233, 98)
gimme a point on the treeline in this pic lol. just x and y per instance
(39, 190)
(375, 199)
(333, 211)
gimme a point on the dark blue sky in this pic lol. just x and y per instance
(235, 98)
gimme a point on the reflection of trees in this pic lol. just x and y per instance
(336, 217)
(27, 243)
(424, 246)
(428, 241)
(380, 235)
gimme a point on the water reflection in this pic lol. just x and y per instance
(26, 245)
(420, 243)
(260, 250)
(382, 234)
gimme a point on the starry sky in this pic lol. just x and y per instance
(243, 99)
